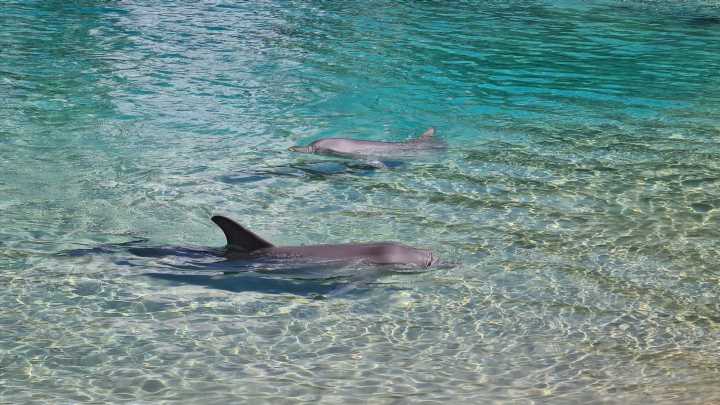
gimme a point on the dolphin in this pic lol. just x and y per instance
(246, 252)
(354, 147)
(243, 244)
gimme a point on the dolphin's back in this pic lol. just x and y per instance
(355, 146)
(375, 253)
(345, 146)
(242, 243)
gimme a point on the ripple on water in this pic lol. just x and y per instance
(579, 196)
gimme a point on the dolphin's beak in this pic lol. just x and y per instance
(300, 149)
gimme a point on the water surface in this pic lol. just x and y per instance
(580, 192)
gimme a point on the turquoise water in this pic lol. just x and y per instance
(580, 195)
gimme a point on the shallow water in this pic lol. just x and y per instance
(580, 192)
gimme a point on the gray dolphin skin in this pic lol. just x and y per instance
(276, 269)
(243, 244)
(354, 147)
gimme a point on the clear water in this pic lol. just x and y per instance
(581, 194)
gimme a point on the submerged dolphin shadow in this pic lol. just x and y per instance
(197, 266)
(318, 281)
(704, 21)
(254, 282)
(313, 170)
(201, 267)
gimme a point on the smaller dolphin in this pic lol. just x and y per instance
(354, 147)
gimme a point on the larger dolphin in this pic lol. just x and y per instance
(243, 244)
(247, 251)
(355, 147)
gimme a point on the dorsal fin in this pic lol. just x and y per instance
(239, 237)
(427, 135)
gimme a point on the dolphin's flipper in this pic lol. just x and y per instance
(427, 135)
(359, 280)
(239, 237)
(376, 164)
(384, 164)
(345, 288)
